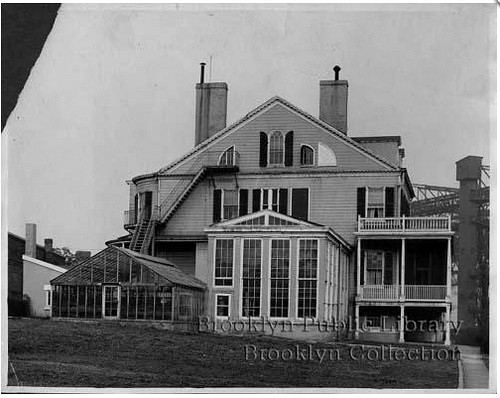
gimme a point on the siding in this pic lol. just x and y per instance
(332, 199)
(246, 140)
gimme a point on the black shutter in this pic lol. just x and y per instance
(389, 202)
(362, 274)
(289, 149)
(283, 201)
(243, 202)
(388, 269)
(300, 203)
(255, 200)
(217, 204)
(361, 201)
(263, 149)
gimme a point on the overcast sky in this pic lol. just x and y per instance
(112, 94)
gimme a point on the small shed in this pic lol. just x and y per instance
(119, 283)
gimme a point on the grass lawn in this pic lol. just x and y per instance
(49, 353)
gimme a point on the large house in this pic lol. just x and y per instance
(285, 216)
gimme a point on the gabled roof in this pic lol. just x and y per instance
(268, 220)
(262, 108)
(160, 266)
(44, 264)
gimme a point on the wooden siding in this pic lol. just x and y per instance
(245, 138)
(332, 199)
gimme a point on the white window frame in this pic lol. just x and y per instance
(270, 199)
(289, 278)
(240, 312)
(48, 297)
(233, 160)
(223, 196)
(214, 265)
(228, 308)
(283, 135)
(300, 155)
(394, 265)
(317, 276)
(367, 197)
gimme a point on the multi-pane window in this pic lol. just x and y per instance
(280, 269)
(374, 267)
(184, 306)
(306, 155)
(273, 199)
(276, 148)
(308, 273)
(222, 303)
(230, 204)
(224, 262)
(229, 157)
(252, 269)
(375, 204)
(379, 266)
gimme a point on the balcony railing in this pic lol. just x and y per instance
(412, 292)
(404, 224)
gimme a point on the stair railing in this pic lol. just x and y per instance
(149, 231)
(137, 229)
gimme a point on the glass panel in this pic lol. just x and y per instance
(124, 302)
(141, 300)
(111, 301)
(280, 264)
(72, 302)
(230, 206)
(81, 301)
(222, 305)
(251, 277)
(223, 262)
(150, 302)
(276, 148)
(132, 302)
(64, 300)
(98, 301)
(308, 266)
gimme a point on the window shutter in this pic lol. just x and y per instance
(263, 149)
(361, 202)
(300, 203)
(389, 202)
(388, 269)
(217, 205)
(255, 200)
(243, 202)
(363, 266)
(283, 201)
(289, 149)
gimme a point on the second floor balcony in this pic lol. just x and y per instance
(403, 225)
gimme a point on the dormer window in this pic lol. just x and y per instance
(276, 148)
(306, 155)
(229, 157)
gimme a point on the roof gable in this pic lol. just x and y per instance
(255, 113)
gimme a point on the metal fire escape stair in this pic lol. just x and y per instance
(143, 234)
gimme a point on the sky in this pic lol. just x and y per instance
(112, 94)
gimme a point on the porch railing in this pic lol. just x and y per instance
(412, 292)
(404, 224)
(425, 292)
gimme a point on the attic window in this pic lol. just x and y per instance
(326, 156)
(276, 148)
(229, 157)
(306, 155)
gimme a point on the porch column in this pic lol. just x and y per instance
(402, 324)
(403, 266)
(358, 268)
(447, 339)
(448, 270)
(356, 321)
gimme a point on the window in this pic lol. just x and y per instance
(230, 204)
(272, 199)
(306, 155)
(326, 156)
(379, 267)
(48, 296)
(308, 270)
(276, 148)
(223, 262)
(229, 157)
(222, 305)
(252, 264)
(375, 207)
(280, 264)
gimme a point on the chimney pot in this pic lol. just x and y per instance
(202, 72)
(49, 245)
(336, 69)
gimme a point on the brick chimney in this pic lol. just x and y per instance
(211, 108)
(30, 242)
(333, 102)
(48, 244)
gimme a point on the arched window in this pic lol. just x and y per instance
(228, 157)
(306, 155)
(276, 148)
(326, 157)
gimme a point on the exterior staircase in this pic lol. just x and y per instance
(143, 234)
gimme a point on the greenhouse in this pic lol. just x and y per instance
(118, 283)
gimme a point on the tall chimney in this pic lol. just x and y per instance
(211, 108)
(49, 245)
(333, 101)
(30, 245)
